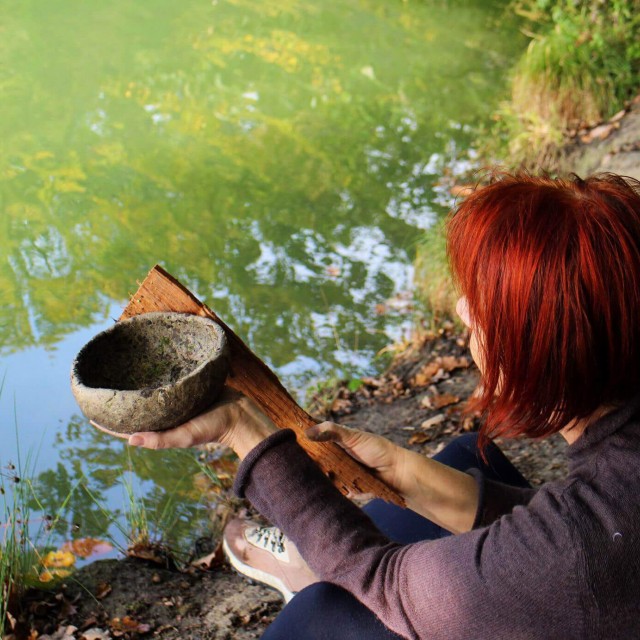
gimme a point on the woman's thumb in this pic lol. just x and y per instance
(332, 432)
(325, 432)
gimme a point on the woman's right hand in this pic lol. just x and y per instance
(444, 495)
(373, 451)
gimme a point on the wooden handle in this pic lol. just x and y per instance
(160, 291)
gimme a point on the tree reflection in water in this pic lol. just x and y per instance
(280, 158)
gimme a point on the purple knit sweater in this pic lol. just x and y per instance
(560, 562)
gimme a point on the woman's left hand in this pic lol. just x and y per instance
(444, 495)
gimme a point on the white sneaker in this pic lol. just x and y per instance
(266, 555)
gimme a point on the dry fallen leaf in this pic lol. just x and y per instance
(212, 560)
(120, 626)
(618, 116)
(95, 634)
(435, 369)
(423, 377)
(450, 363)
(432, 422)
(341, 405)
(444, 400)
(420, 438)
(151, 552)
(425, 402)
(66, 632)
(59, 559)
(86, 547)
(103, 590)
(11, 619)
(601, 132)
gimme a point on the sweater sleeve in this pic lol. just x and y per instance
(513, 579)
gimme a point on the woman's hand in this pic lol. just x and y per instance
(446, 496)
(233, 421)
(373, 451)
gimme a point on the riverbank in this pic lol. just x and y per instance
(611, 146)
(418, 403)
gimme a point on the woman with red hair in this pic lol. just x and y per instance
(549, 275)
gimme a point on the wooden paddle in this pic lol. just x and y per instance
(248, 374)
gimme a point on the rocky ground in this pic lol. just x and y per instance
(417, 403)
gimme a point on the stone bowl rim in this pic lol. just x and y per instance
(219, 352)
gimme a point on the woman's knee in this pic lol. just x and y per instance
(320, 594)
(461, 453)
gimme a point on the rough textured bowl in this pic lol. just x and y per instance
(150, 372)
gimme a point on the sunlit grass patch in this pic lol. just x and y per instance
(433, 281)
(581, 65)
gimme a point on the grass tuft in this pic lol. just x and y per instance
(26, 558)
(433, 282)
(581, 65)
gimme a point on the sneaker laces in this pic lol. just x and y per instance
(269, 538)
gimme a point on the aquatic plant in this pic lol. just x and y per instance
(27, 558)
(152, 519)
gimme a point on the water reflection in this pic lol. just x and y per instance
(95, 478)
(281, 159)
(249, 154)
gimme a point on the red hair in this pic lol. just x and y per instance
(551, 272)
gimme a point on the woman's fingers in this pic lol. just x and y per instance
(371, 450)
(180, 437)
(209, 426)
(361, 445)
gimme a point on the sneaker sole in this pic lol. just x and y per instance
(255, 574)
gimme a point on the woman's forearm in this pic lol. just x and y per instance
(444, 495)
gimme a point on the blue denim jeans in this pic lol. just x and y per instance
(324, 611)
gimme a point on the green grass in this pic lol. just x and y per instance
(137, 517)
(581, 65)
(433, 283)
(18, 553)
(151, 521)
(24, 539)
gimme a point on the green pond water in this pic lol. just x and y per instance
(281, 159)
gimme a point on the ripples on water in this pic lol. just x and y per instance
(282, 159)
